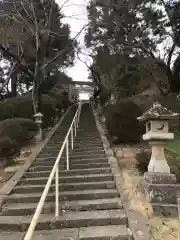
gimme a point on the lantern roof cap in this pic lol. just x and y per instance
(157, 111)
(38, 114)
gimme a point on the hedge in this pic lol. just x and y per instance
(21, 107)
(14, 134)
(122, 123)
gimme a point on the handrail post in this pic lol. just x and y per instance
(79, 113)
(57, 192)
(67, 155)
(77, 119)
(72, 138)
(75, 127)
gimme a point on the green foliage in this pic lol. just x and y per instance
(104, 96)
(143, 159)
(122, 123)
(174, 145)
(135, 29)
(21, 107)
(62, 101)
(15, 133)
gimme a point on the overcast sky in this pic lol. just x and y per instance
(76, 17)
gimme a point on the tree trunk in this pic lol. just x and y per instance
(14, 84)
(36, 92)
(37, 74)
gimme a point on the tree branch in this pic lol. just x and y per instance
(8, 54)
(170, 54)
(68, 45)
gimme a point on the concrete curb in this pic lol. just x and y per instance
(138, 224)
(8, 187)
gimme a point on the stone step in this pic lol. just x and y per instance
(89, 151)
(161, 193)
(64, 196)
(65, 187)
(73, 166)
(108, 232)
(83, 137)
(70, 179)
(165, 210)
(105, 233)
(78, 151)
(82, 130)
(68, 173)
(87, 142)
(49, 154)
(87, 156)
(73, 156)
(51, 161)
(20, 209)
(67, 220)
(76, 155)
(87, 145)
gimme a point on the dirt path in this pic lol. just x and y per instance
(7, 172)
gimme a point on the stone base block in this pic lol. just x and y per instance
(12, 169)
(161, 188)
(160, 178)
(166, 210)
(162, 193)
(39, 137)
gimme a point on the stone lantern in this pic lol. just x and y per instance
(99, 110)
(38, 120)
(157, 133)
(113, 99)
(56, 118)
(158, 182)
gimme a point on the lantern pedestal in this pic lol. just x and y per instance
(39, 136)
(38, 121)
(158, 162)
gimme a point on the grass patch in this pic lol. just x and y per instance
(165, 228)
(138, 201)
(174, 145)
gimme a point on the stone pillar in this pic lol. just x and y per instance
(70, 92)
(38, 120)
(158, 162)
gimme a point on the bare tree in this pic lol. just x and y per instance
(40, 33)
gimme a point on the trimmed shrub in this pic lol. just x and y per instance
(14, 134)
(61, 100)
(122, 123)
(104, 96)
(21, 107)
(8, 149)
(143, 159)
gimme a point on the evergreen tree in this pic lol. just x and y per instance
(137, 29)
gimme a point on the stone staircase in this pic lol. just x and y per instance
(90, 205)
